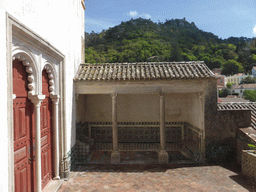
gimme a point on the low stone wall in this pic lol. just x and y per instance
(221, 138)
(248, 165)
(245, 136)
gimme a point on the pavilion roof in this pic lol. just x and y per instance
(143, 70)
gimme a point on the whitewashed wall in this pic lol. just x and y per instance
(61, 24)
(195, 114)
(142, 108)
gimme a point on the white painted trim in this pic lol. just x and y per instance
(11, 186)
(139, 87)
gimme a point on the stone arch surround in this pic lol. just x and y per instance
(52, 78)
(31, 69)
(36, 53)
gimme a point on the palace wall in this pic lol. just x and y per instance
(61, 25)
(221, 127)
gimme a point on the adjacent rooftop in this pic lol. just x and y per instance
(245, 86)
(241, 106)
(232, 100)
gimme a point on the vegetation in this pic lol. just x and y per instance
(141, 40)
(231, 67)
(248, 80)
(229, 85)
(250, 95)
(223, 93)
(253, 147)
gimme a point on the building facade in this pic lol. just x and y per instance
(239, 89)
(41, 47)
(220, 80)
(235, 79)
(254, 72)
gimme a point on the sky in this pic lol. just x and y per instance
(224, 18)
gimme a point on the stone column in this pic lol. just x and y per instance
(55, 104)
(65, 162)
(162, 154)
(202, 133)
(36, 100)
(115, 155)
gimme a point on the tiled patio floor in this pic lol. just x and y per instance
(154, 177)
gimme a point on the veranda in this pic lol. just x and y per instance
(143, 107)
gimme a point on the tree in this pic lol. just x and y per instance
(216, 63)
(176, 52)
(250, 95)
(248, 80)
(223, 93)
(229, 85)
(188, 57)
(253, 58)
(139, 39)
(231, 67)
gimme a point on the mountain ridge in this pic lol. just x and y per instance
(140, 40)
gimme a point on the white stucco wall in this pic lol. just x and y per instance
(141, 108)
(195, 114)
(61, 24)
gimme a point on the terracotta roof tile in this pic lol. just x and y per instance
(138, 71)
(232, 100)
(245, 86)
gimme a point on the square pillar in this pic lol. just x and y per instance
(163, 156)
(115, 155)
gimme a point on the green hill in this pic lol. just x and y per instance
(141, 40)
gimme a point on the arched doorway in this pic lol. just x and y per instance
(46, 132)
(23, 127)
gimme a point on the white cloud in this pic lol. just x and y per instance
(147, 16)
(254, 30)
(133, 13)
(136, 14)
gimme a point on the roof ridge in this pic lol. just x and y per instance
(136, 63)
(144, 70)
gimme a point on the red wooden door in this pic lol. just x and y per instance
(22, 123)
(46, 132)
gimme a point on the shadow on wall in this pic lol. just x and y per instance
(221, 140)
(73, 131)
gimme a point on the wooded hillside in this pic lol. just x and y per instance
(141, 40)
